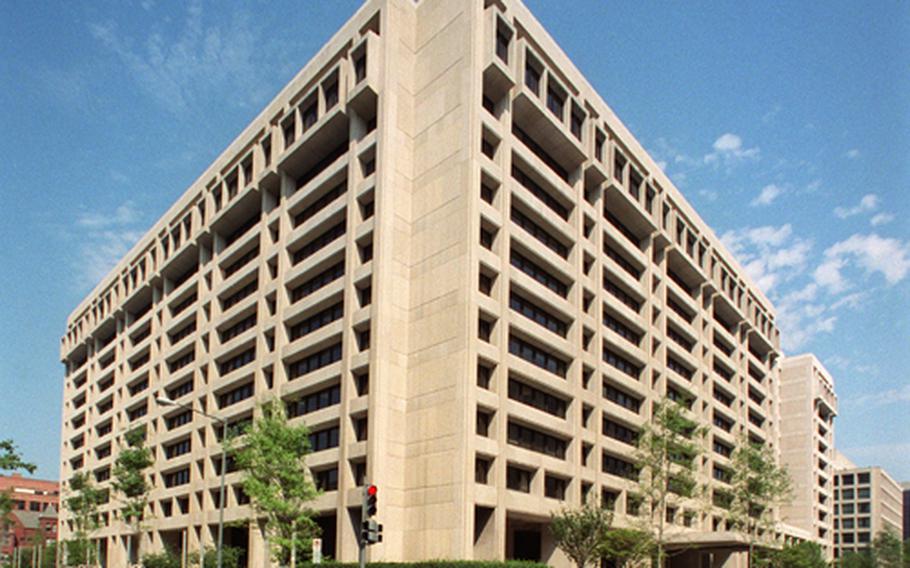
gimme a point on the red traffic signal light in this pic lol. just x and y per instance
(371, 490)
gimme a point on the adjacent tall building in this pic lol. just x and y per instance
(808, 406)
(440, 247)
(867, 502)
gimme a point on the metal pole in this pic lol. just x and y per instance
(224, 433)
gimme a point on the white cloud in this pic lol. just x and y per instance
(770, 254)
(872, 253)
(868, 202)
(881, 219)
(771, 114)
(767, 195)
(852, 154)
(729, 148)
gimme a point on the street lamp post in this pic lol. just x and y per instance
(224, 432)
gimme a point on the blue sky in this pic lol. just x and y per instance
(784, 123)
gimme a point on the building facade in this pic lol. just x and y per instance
(440, 247)
(867, 502)
(35, 501)
(905, 486)
(808, 406)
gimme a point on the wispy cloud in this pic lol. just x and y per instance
(767, 195)
(881, 219)
(891, 457)
(900, 395)
(102, 238)
(852, 154)
(868, 202)
(729, 148)
(771, 114)
(182, 66)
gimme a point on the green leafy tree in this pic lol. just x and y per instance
(627, 546)
(209, 559)
(758, 486)
(799, 555)
(166, 559)
(668, 452)
(131, 482)
(886, 550)
(906, 550)
(862, 559)
(272, 456)
(580, 532)
(83, 504)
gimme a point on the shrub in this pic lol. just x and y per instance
(436, 564)
(161, 560)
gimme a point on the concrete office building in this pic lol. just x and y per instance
(808, 406)
(441, 247)
(867, 501)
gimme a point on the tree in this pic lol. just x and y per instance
(83, 505)
(758, 485)
(130, 481)
(272, 456)
(667, 457)
(580, 532)
(862, 559)
(800, 555)
(230, 558)
(165, 559)
(886, 550)
(627, 546)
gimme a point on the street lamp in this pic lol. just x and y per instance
(163, 400)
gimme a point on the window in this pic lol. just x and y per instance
(180, 390)
(537, 314)
(539, 233)
(722, 448)
(181, 362)
(360, 66)
(537, 398)
(618, 467)
(621, 329)
(577, 122)
(329, 236)
(177, 448)
(862, 478)
(518, 479)
(555, 487)
(322, 279)
(178, 420)
(618, 293)
(236, 395)
(183, 333)
(539, 192)
(326, 479)
(538, 357)
(315, 401)
(680, 369)
(556, 101)
(309, 116)
(317, 321)
(238, 328)
(324, 201)
(239, 296)
(532, 77)
(237, 361)
(484, 376)
(482, 470)
(324, 439)
(179, 477)
(537, 273)
(536, 441)
(483, 423)
(619, 432)
(617, 361)
(315, 361)
(620, 397)
(502, 43)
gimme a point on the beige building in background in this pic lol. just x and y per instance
(808, 406)
(456, 265)
(867, 502)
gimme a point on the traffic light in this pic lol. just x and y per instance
(370, 530)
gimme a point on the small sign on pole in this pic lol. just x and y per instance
(317, 551)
